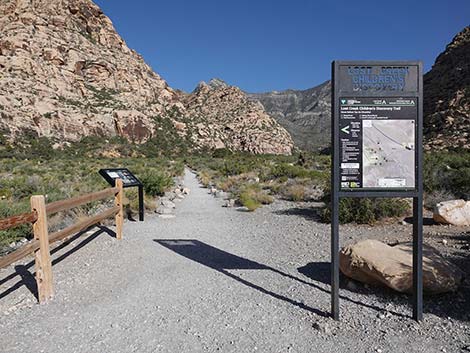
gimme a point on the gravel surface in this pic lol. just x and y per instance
(219, 279)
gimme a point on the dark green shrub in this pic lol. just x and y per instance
(155, 184)
(222, 153)
(448, 172)
(367, 211)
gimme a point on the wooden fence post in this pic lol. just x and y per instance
(42, 255)
(120, 214)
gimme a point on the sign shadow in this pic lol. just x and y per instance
(222, 261)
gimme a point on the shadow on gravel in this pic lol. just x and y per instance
(27, 278)
(309, 213)
(222, 261)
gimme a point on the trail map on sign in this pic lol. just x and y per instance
(377, 143)
(388, 153)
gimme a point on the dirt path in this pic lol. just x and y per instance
(211, 279)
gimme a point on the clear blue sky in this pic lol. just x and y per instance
(262, 45)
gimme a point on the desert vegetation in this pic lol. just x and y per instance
(73, 171)
(35, 167)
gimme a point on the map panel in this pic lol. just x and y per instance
(388, 153)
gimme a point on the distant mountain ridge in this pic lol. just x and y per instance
(306, 114)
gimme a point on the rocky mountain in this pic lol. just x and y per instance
(223, 116)
(65, 74)
(305, 114)
(447, 96)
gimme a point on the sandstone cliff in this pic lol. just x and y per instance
(222, 116)
(447, 96)
(65, 74)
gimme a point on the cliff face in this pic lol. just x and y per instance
(447, 96)
(222, 116)
(65, 74)
(305, 114)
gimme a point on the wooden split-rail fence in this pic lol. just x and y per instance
(42, 239)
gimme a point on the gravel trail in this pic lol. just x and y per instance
(217, 279)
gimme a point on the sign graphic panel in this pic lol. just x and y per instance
(377, 143)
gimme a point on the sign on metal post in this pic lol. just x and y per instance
(128, 180)
(377, 120)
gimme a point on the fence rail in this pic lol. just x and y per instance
(15, 221)
(42, 239)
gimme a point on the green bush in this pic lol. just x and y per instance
(448, 173)
(367, 211)
(249, 203)
(155, 184)
(253, 196)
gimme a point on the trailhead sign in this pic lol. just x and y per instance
(377, 143)
(377, 133)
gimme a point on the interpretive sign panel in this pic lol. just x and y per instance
(377, 142)
(377, 123)
(128, 180)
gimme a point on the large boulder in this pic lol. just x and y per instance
(376, 263)
(456, 212)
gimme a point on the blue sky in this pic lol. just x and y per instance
(263, 45)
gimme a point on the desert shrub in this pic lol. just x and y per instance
(204, 178)
(367, 211)
(253, 196)
(295, 192)
(287, 171)
(155, 184)
(249, 203)
(448, 172)
(222, 153)
(432, 198)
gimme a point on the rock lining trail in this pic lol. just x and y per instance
(216, 279)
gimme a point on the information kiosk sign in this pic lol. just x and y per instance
(377, 146)
(128, 180)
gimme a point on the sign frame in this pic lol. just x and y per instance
(338, 91)
(104, 172)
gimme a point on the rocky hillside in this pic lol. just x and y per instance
(222, 116)
(66, 74)
(447, 96)
(305, 114)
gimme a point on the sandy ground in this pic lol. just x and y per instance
(218, 279)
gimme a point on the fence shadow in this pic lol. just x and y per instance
(28, 279)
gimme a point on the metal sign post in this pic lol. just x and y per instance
(377, 124)
(128, 180)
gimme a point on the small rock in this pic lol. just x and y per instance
(322, 327)
(164, 210)
(186, 191)
(229, 203)
(166, 216)
(351, 286)
(167, 203)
